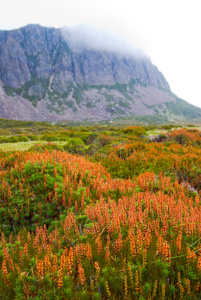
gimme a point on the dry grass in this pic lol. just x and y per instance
(22, 146)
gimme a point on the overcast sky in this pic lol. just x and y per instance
(168, 31)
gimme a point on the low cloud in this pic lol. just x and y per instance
(86, 37)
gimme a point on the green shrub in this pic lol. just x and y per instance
(75, 142)
(75, 146)
(106, 133)
(34, 137)
(83, 135)
(52, 137)
(91, 138)
(93, 148)
(180, 139)
(48, 147)
(12, 139)
(23, 138)
(135, 130)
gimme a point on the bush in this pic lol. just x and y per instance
(12, 139)
(34, 137)
(83, 135)
(75, 142)
(23, 138)
(91, 138)
(52, 138)
(93, 148)
(75, 146)
(181, 139)
(135, 130)
(105, 139)
(24, 211)
(48, 147)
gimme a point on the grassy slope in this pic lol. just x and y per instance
(21, 146)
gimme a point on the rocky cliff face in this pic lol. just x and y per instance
(45, 74)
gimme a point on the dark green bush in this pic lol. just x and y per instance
(75, 146)
(180, 139)
(12, 139)
(83, 135)
(33, 137)
(52, 137)
(23, 138)
(91, 138)
(93, 148)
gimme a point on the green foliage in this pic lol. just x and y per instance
(23, 208)
(83, 135)
(89, 105)
(24, 91)
(74, 229)
(75, 146)
(46, 147)
(33, 137)
(181, 107)
(105, 139)
(12, 139)
(23, 138)
(78, 94)
(135, 130)
(180, 139)
(124, 104)
(91, 137)
(53, 137)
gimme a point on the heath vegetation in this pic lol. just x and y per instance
(100, 212)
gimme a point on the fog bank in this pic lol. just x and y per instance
(86, 37)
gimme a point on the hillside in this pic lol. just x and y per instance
(71, 74)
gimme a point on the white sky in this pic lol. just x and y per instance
(166, 30)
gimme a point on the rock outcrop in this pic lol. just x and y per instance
(49, 74)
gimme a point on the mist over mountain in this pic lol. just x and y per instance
(80, 73)
(86, 37)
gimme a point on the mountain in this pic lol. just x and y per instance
(77, 74)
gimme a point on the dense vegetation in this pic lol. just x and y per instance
(100, 212)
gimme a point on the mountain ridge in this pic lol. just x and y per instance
(44, 77)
